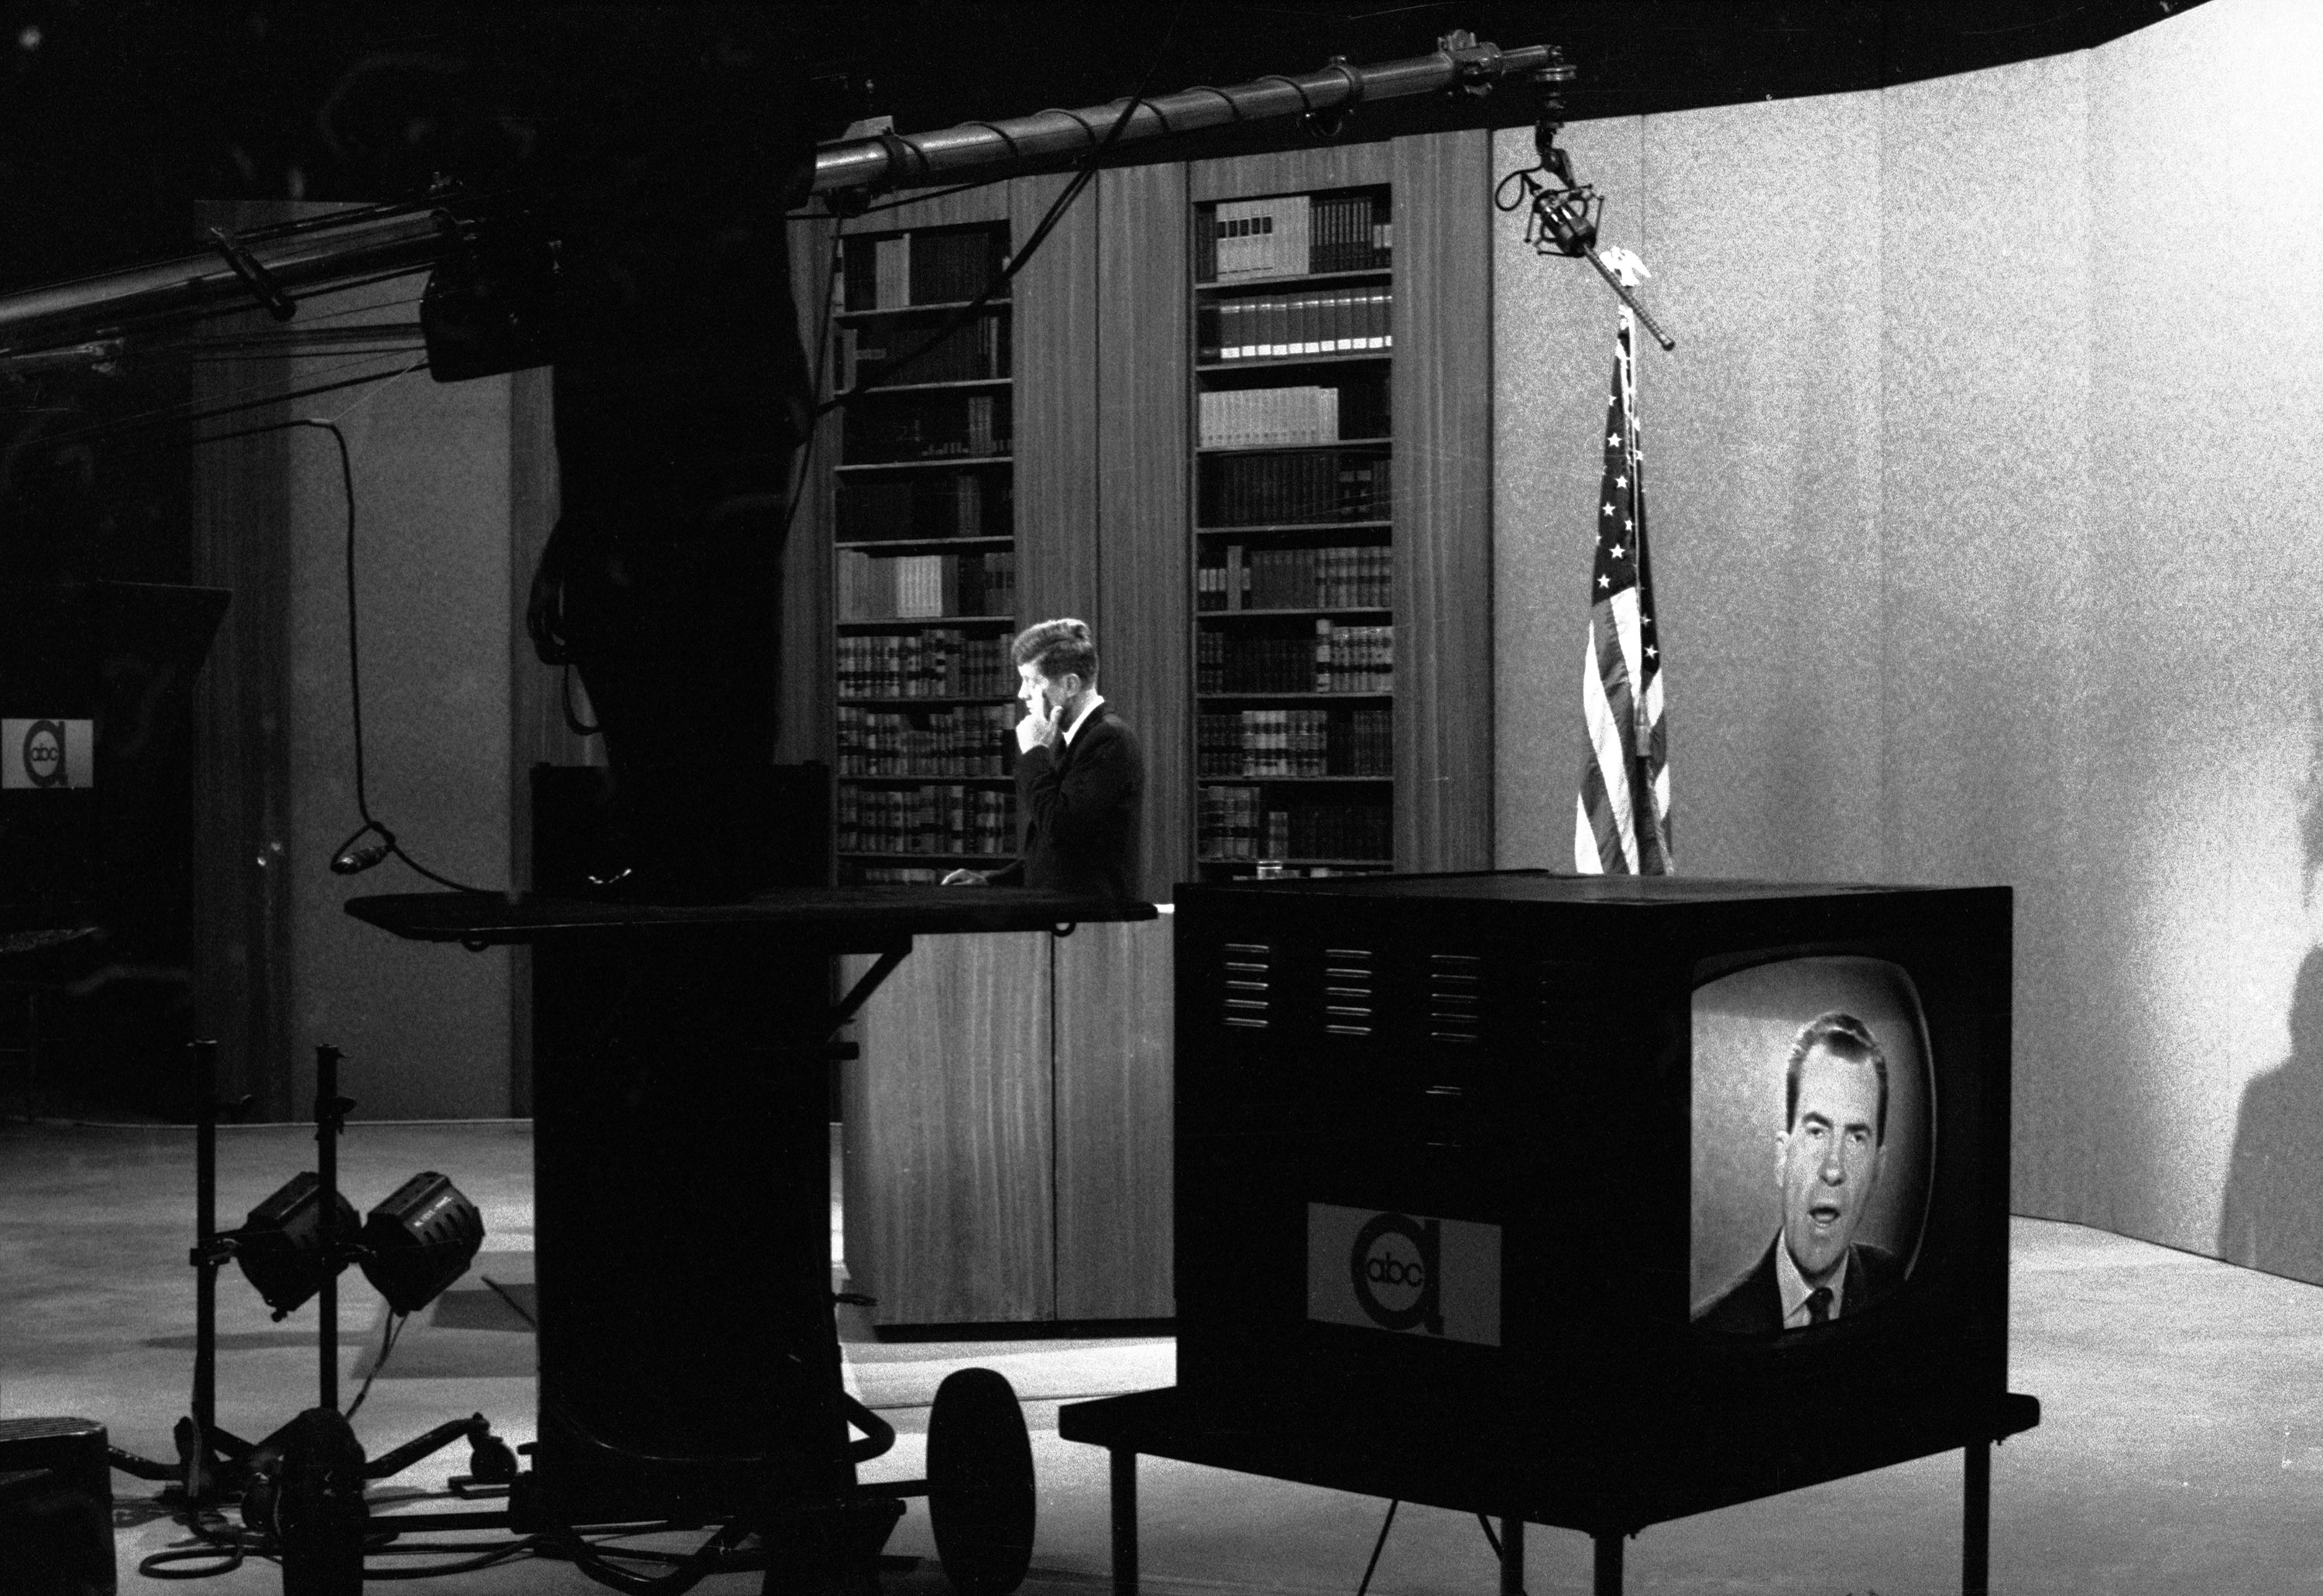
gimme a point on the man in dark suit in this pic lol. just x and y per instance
(1814, 1270)
(1080, 777)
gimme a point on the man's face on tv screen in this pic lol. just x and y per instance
(1830, 1161)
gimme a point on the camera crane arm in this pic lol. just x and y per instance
(61, 323)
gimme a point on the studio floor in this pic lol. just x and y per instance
(2180, 1448)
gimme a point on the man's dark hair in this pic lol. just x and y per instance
(1842, 1036)
(1058, 648)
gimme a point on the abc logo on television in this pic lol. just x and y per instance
(1405, 1274)
(46, 752)
(1392, 1267)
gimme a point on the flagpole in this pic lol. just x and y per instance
(1619, 810)
(1641, 724)
(1644, 818)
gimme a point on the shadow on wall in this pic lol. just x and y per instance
(2273, 1215)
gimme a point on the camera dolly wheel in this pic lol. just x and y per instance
(981, 1483)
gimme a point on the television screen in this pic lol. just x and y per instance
(1812, 1126)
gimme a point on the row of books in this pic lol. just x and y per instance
(1230, 823)
(924, 267)
(1294, 743)
(1237, 418)
(1335, 659)
(975, 425)
(1279, 490)
(938, 663)
(1293, 233)
(927, 504)
(911, 587)
(975, 350)
(972, 739)
(851, 875)
(980, 822)
(1339, 578)
(1273, 326)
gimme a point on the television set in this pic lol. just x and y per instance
(1528, 1154)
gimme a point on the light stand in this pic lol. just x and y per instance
(210, 1462)
(301, 1485)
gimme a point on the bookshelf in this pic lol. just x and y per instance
(923, 554)
(1007, 1150)
(1292, 496)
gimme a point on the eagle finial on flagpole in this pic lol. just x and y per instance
(1624, 264)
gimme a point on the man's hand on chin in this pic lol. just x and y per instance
(967, 878)
(1038, 729)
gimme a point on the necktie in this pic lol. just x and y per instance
(1819, 1305)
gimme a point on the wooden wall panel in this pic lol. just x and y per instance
(1145, 555)
(1056, 367)
(1443, 399)
(1113, 1139)
(948, 1142)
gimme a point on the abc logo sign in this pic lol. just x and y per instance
(46, 752)
(1392, 1267)
(1408, 1274)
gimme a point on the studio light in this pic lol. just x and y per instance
(419, 1240)
(283, 1247)
(414, 1244)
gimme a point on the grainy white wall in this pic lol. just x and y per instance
(1984, 490)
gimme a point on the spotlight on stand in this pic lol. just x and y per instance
(285, 1248)
(418, 1240)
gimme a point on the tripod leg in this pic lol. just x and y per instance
(1608, 1582)
(1125, 1522)
(330, 1110)
(1976, 1521)
(205, 1264)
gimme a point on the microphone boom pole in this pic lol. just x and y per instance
(984, 149)
(61, 323)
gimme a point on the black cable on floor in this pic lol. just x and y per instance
(385, 1345)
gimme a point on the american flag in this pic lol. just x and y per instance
(1613, 832)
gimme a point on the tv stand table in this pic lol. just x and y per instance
(1608, 1492)
(688, 1352)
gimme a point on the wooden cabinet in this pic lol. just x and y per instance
(949, 1137)
(1007, 1139)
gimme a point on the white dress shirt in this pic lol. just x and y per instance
(1796, 1290)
